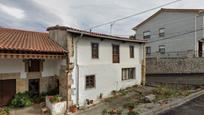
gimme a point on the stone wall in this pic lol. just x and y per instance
(174, 65)
(21, 84)
(46, 83)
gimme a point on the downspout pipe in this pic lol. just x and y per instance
(195, 39)
(77, 67)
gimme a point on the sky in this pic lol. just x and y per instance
(37, 15)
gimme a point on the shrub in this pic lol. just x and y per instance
(21, 100)
(132, 113)
(4, 111)
(163, 92)
(55, 99)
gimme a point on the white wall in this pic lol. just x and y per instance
(12, 66)
(50, 67)
(108, 75)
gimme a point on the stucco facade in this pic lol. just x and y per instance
(179, 28)
(107, 74)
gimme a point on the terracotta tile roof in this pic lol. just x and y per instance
(20, 40)
(167, 10)
(94, 34)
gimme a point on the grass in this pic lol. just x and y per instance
(165, 92)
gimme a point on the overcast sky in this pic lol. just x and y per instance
(37, 15)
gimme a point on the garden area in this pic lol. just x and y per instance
(139, 99)
(23, 100)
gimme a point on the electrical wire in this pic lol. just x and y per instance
(145, 11)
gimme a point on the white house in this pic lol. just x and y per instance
(82, 65)
(101, 63)
(173, 32)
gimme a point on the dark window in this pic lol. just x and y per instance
(161, 32)
(33, 65)
(147, 35)
(131, 51)
(90, 81)
(128, 73)
(148, 50)
(34, 87)
(94, 48)
(162, 49)
(116, 54)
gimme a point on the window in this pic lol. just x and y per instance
(148, 50)
(33, 65)
(161, 32)
(131, 51)
(128, 73)
(94, 49)
(90, 81)
(116, 54)
(162, 49)
(146, 35)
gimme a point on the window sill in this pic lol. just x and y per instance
(87, 89)
(128, 80)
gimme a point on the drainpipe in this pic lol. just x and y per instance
(195, 39)
(77, 67)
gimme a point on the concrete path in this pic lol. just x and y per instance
(33, 110)
(194, 107)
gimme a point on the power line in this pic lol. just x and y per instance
(174, 36)
(145, 11)
(175, 21)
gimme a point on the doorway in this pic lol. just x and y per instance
(34, 87)
(7, 91)
(200, 49)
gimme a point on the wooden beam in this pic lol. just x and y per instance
(30, 56)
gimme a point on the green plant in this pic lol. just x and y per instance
(163, 92)
(104, 112)
(129, 105)
(21, 100)
(54, 99)
(133, 113)
(4, 111)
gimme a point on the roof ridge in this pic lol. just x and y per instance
(166, 10)
(22, 30)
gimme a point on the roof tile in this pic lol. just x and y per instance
(13, 39)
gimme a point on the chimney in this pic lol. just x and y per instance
(58, 34)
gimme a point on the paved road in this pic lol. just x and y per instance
(194, 107)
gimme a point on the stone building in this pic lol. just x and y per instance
(29, 61)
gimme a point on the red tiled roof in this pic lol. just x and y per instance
(94, 34)
(20, 40)
(167, 10)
